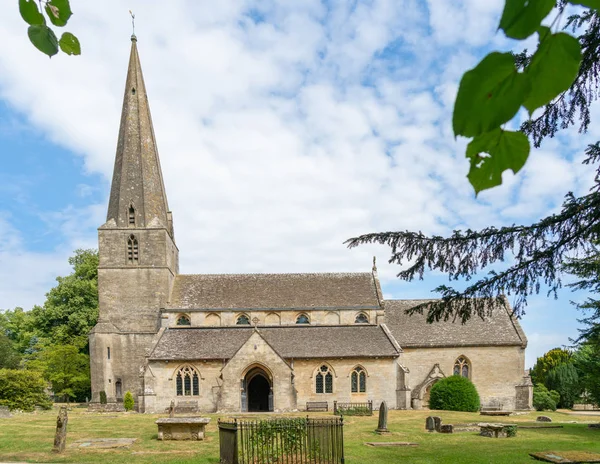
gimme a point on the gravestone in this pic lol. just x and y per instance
(430, 424)
(5, 412)
(383, 417)
(172, 409)
(543, 419)
(447, 428)
(437, 421)
(60, 438)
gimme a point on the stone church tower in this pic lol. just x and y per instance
(138, 255)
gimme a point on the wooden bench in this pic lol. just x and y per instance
(317, 406)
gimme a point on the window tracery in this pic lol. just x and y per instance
(324, 380)
(462, 367)
(302, 319)
(183, 319)
(187, 382)
(361, 318)
(242, 320)
(358, 380)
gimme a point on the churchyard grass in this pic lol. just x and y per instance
(29, 437)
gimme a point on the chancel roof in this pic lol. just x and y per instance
(499, 329)
(289, 342)
(254, 291)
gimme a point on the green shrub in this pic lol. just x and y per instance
(24, 390)
(102, 397)
(564, 380)
(454, 393)
(543, 399)
(128, 402)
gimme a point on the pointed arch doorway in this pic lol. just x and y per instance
(257, 394)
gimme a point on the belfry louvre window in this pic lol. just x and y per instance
(324, 380)
(187, 382)
(462, 367)
(358, 380)
(133, 255)
(131, 216)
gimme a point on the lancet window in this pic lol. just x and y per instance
(462, 367)
(133, 255)
(131, 216)
(243, 320)
(324, 380)
(183, 319)
(302, 319)
(187, 382)
(358, 380)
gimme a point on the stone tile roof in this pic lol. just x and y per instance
(254, 291)
(413, 331)
(288, 341)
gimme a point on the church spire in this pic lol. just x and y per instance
(137, 196)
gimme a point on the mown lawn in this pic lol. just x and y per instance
(29, 437)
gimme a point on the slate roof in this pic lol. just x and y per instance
(289, 341)
(413, 331)
(254, 291)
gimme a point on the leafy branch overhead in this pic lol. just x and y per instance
(492, 93)
(40, 34)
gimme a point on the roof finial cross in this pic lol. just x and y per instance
(133, 37)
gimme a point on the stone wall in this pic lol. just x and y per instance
(495, 371)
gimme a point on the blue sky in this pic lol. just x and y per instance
(283, 130)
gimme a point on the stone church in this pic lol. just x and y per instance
(263, 342)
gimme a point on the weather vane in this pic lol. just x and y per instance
(132, 23)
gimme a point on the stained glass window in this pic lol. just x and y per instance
(187, 382)
(328, 383)
(243, 320)
(354, 382)
(358, 380)
(324, 380)
(183, 320)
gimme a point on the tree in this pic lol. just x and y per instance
(564, 379)
(22, 390)
(43, 37)
(71, 308)
(549, 361)
(537, 251)
(66, 369)
(587, 361)
(128, 402)
(9, 357)
(454, 393)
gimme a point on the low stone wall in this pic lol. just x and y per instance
(108, 407)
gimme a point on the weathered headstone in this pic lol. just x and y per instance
(437, 421)
(60, 438)
(172, 409)
(430, 424)
(447, 428)
(543, 419)
(4, 412)
(383, 417)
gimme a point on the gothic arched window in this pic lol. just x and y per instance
(361, 318)
(358, 380)
(183, 319)
(302, 319)
(133, 255)
(242, 320)
(324, 380)
(187, 382)
(462, 367)
(131, 216)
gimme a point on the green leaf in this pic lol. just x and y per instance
(489, 95)
(552, 69)
(59, 12)
(589, 3)
(521, 18)
(30, 13)
(493, 153)
(43, 38)
(70, 44)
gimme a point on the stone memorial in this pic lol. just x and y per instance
(383, 418)
(543, 419)
(430, 424)
(182, 428)
(437, 423)
(172, 409)
(447, 428)
(60, 438)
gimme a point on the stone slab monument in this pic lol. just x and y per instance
(60, 438)
(383, 418)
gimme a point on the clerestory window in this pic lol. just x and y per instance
(361, 318)
(183, 319)
(187, 382)
(358, 380)
(324, 380)
(242, 320)
(133, 255)
(302, 319)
